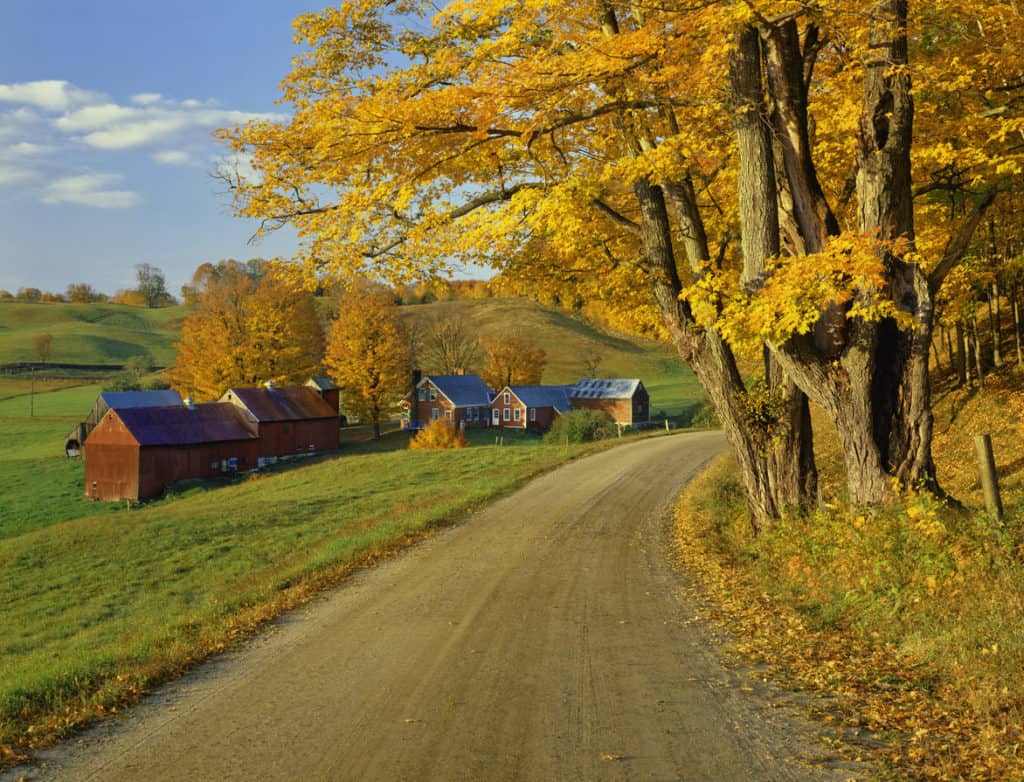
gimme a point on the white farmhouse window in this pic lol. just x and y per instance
(433, 394)
(504, 414)
(516, 414)
(533, 413)
(435, 414)
(508, 398)
(448, 414)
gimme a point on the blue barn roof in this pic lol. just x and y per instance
(119, 400)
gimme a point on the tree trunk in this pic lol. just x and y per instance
(994, 319)
(963, 366)
(977, 352)
(1014, 295)
(770, 471)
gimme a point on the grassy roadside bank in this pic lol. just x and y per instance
(908, 618)
(99, 609)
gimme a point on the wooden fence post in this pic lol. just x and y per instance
(989, 482)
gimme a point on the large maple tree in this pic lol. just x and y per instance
(764, 173)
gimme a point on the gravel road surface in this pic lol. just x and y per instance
(546, 637)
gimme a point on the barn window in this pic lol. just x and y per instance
(448, 414)
(533, 413)
(508, 398)
(433, 394)
(434, 414)
(504, 414)
(516, 413)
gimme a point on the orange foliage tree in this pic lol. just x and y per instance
(246, 332)
(368, 355)
(510, 360)
(750, 171)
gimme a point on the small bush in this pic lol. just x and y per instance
(439, 434)
(581, 426)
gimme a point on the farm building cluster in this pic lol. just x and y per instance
(136, 443)
(466, 400)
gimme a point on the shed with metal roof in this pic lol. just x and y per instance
(624, 399)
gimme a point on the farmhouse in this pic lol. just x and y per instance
(529, 407)
(134, 452)
(462, 399)
(116, 400)
(290, 420)
(624, 399)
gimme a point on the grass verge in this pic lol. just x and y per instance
(910, 618)
(99, 609)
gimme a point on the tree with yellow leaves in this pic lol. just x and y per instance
(368, 355)
(246, 332)
(510, 360)
(751, 170)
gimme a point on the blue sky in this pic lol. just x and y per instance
(106, 109)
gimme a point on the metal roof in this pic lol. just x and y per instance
(602, 388)
(289, 403)
(322, 382)
(543, 396)
(212, 422)
(461, 390)
(119, 400)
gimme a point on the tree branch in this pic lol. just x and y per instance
(617, 217)
(958, 243)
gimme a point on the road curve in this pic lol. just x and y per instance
(542, 639)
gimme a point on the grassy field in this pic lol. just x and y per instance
(568, 340)
(90, 333)
(101, 605)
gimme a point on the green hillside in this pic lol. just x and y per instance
(568, 340)
(90, 333)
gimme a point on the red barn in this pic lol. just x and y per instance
(290, 421)
(133, 453)
(624, 399)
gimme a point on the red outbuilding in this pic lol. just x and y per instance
(290, 421)
(133, 453)
(624, 399)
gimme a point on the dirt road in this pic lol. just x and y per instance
(543, 639)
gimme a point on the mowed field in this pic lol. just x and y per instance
(101, 600)
(90, 333)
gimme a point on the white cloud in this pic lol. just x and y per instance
(172, 157)
(10, 175)
(147, 98)
(112, 126)
(90, 190)
(27, 148)
(52, 95)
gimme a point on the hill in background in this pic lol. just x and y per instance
(110, 334)
(90, 333)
